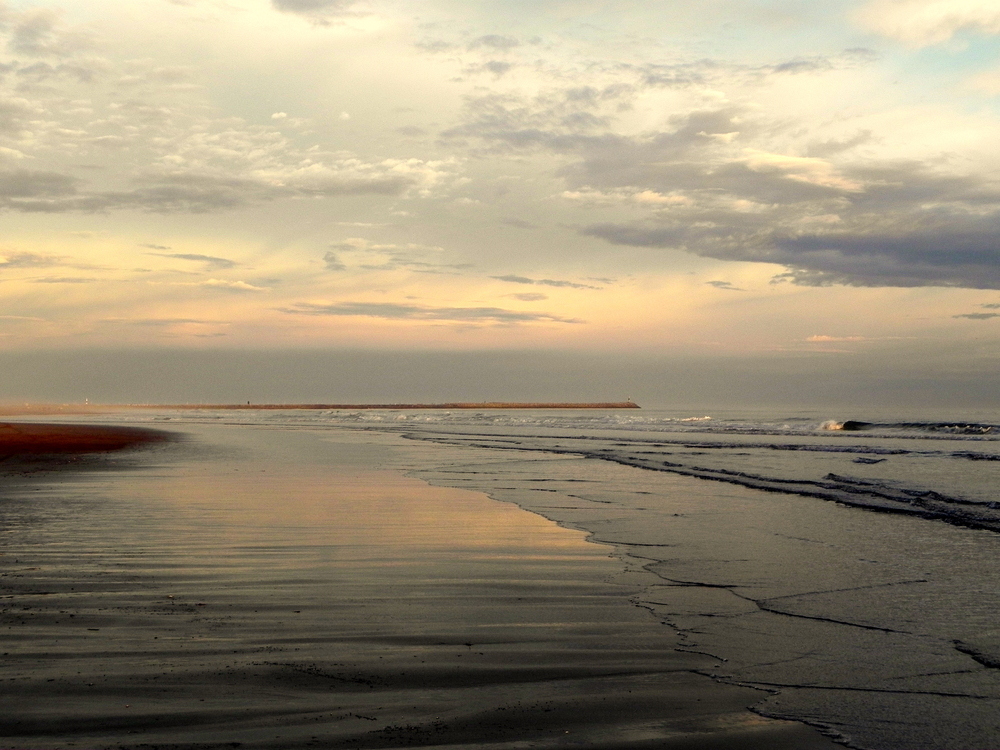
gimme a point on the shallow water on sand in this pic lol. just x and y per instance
(269, 587)
(879, 626)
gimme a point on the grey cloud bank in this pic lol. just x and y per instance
(710, 185)
(355, 376)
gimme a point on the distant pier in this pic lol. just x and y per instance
(357, 407)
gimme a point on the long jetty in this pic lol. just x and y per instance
(354, 407)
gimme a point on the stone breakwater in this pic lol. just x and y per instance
(454, 405)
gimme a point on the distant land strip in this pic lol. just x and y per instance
(456, 405)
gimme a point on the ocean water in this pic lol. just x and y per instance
(845, 565)
(939, 465)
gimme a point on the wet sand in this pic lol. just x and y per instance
(278, 588)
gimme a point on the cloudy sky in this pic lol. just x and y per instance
(729, 178)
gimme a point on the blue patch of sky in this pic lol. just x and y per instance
(943, 71)
(962, 56)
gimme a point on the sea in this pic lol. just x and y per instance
(843, 564)
(934, 465)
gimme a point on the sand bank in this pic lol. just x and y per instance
(272, 588)
(33, 440)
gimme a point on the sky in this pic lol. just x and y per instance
(760, 189)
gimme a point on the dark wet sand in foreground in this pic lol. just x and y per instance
(272, 588)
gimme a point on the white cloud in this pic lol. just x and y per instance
(155, 141)
(800, 168)
(920, 23)
(987, 81)
(223, 284)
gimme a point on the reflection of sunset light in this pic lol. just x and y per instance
(305, 504)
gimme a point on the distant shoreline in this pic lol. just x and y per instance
(354, 407)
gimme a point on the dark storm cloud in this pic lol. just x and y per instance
(931, 258)
(543, 282)
(978, 316)
(415, 312)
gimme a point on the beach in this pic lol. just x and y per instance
(285, 585)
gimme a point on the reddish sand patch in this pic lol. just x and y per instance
(27, 439)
